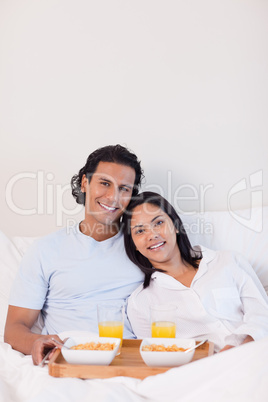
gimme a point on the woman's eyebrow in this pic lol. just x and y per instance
(137, 226)
(156, 217)
(141, 225)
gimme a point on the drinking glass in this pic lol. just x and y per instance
(111, 321)
(163, 321)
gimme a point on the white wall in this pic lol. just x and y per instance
(183, 84)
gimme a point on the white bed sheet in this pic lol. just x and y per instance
(239, 374)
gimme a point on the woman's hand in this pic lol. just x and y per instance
(246, 340)
(42, 346)
(226, 347)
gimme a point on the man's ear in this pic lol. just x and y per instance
(84, 183)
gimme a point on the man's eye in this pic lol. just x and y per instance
(104, 183)
(124, 189)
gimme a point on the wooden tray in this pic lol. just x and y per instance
(129, 363)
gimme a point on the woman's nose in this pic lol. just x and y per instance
(153, 234)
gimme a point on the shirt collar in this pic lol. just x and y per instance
(171, 283)
(166, 281)
(208, 254)
(106, 242)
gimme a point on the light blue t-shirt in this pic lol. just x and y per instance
(65, 275)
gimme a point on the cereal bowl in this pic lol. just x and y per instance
(91, 357)
(167, 358)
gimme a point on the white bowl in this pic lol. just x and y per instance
(167, 359)
(92, 357)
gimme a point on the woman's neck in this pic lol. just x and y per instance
(179, 270)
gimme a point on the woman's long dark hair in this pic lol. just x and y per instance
(187, 253)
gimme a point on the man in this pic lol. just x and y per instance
(65, 274)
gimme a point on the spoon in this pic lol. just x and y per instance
(45, 359)
(59, 343)
(196, 346)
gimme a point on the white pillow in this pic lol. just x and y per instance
(22, 243)
(10, 258)
(9, 262)
(245, 232)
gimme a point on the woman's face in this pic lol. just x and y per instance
(154, 234)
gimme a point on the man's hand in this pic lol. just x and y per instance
(42, 346)
(19, 335)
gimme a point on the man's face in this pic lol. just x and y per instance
(108, 193)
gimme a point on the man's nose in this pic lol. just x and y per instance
(113, 194)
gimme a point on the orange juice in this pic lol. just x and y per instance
(111, 329)
(163, 329)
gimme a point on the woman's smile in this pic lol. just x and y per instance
(157, 246)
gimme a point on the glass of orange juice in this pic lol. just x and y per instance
(163, 321)
(111, 321)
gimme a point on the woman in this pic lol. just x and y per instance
(215, 297)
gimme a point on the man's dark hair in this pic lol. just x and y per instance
(187, 253)
(110, 153)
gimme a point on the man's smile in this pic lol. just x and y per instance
(107, 207)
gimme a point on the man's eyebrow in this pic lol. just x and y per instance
(110, 181)
(105, 179)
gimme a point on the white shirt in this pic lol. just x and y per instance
(225, 302)
(65, 275)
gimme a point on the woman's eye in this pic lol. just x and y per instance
(159, 223)
(139, 231)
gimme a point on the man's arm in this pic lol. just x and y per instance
(18, 328)
(19, 335)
